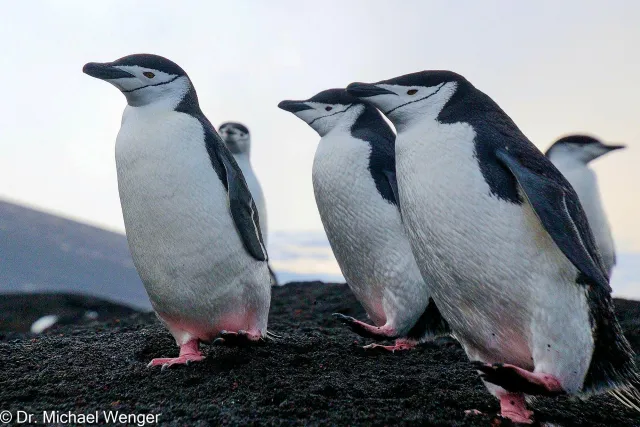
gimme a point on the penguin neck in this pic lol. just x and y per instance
(243, 159)
(188, 103)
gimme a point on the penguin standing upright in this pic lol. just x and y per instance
(191, 223)
(238, 140)
(571, 155)
(356, 193)
(501, 237)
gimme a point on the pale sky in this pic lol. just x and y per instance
(554, 67)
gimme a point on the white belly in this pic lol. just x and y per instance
(496, 275)
(365, 231)
(180, 232)
(585, 183)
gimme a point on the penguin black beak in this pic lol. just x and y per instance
(614, 147)
(294, 106)
(105, 71)
(365, 90)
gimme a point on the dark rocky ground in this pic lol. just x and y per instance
(317, 374)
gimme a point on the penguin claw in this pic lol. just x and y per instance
(400, 345)
(364, 330)
(185, 359)
(188, 353)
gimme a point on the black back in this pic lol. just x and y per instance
(371, 127)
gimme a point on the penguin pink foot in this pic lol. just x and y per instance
(189, 352)
(514, 407)
(400, 345)
(515, 379)
(365, 330)
(240, 338)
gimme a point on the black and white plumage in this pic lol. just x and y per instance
(502, 237)
(237, 138)
(191, 223)
(356, 193)
(572, 155)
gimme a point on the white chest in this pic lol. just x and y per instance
(173, 203)
(365, 231)
(460, 232)
(346, 193)
(340, 169)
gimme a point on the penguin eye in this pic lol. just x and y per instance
(327, 108)
(149, 74)
(412, 92)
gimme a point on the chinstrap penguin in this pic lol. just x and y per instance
(191, 223)
(237, 138)
(571, 155)
(501, 238)
(355, 189)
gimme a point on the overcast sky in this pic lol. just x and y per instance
(554, 67)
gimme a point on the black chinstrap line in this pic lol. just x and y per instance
(329, 115)
(157, 84)
(417, 100)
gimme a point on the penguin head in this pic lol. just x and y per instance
(236, 137)
(583, 148)
(143, 78)
(325, 110)
(408, 99)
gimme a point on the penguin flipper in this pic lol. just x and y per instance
(393, 183)
(243, 209)
(241, 205)
(559, 210)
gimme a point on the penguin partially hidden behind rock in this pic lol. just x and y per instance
(571, 155)
(191, 223)
(501, 238)
(237, 138)
(356, 193)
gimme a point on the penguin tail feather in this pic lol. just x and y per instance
(628, 395)
(273, 277)
(272, 337)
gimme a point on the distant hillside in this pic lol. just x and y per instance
(40, 252)
(43, 252)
